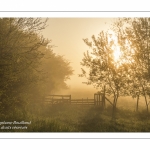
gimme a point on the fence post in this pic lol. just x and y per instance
(70, 99)
(104, 97)
(52, 100)
(98, 98)
(94, 100)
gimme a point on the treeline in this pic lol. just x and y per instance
(29, 69)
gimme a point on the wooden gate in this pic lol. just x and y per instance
(99, 99)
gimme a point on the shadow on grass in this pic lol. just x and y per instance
(96, 120)
(99, 120)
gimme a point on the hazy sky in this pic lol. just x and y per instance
(68, 34)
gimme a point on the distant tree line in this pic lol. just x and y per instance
(29, 69)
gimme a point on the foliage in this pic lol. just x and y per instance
(25, 58)
(104, 71)
(130, 74)
(55, 70)
(135, 32)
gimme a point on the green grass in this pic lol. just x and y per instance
(73, 118)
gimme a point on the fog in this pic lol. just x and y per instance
(78, 92)
(67, 36)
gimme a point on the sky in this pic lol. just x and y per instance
(67, 35)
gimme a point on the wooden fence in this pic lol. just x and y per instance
(82, 101)
(99, 99)
(56, 99)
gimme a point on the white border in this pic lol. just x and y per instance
(75, 5)
(75, 14)
(57, 135)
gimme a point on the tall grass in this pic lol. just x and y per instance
(75, 118)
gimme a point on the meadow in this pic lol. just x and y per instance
(80, 118)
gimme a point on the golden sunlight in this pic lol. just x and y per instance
(115, 47)
(117, 54)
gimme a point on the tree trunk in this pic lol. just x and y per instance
(114, 106)
(137, 103)
(146, 102)
(145, 98)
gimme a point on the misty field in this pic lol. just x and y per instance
(80, 118)
(34, 71)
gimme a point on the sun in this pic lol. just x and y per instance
(115, 47)
(117, 54)
(120, 55)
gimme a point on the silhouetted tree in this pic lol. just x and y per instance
(104, 70)
(136, 31)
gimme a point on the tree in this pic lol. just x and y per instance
(55, 70)
(104, 71)
(19, 45)
(137, 32)
(25, 57)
